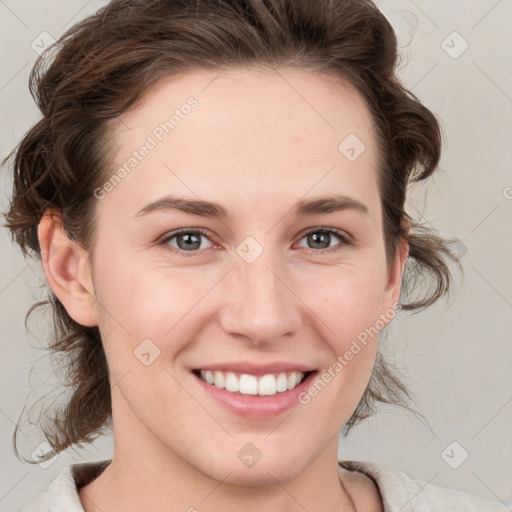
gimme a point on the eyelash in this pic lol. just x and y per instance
(340, 234)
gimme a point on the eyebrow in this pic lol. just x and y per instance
(305, 207)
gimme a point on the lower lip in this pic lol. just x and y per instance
(257, 406)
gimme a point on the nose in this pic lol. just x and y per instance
(259, 304)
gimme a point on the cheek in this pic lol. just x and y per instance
(146, 303)
(347, 300)
(142, 295)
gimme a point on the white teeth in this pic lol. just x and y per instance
(248, 384)
(231, 383)
(251, 385)
(218, 379)
(282, 382)
(267, 385)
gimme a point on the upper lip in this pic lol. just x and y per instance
(257, 369)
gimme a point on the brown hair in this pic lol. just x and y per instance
(101, 68)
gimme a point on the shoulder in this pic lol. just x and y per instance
(61, 494)
(38, 503)
(399, 492)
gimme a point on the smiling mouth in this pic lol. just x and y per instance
(247, 384)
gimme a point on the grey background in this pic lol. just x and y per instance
(456, 356)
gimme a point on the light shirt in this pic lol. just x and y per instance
(399, 492)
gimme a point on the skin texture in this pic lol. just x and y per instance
(257, 143)
(363, 489)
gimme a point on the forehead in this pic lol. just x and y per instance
(250, 133)
(255, 101)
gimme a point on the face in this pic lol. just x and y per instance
(263, 284)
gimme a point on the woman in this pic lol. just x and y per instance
(217, 190)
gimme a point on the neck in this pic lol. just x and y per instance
(135, 481)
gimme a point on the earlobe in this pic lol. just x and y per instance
(66, 270)
(394, 285)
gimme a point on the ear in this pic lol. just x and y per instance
(394, 284)
(67, 271)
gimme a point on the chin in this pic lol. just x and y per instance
(260, 475)
(251, 467)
